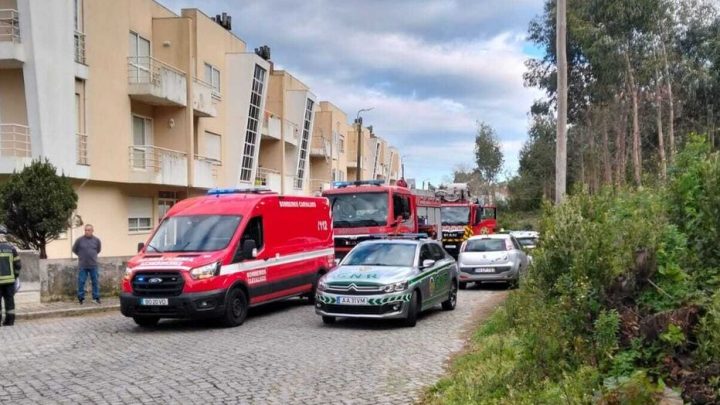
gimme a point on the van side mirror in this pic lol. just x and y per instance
(427, 263)
(249, 249)
(140, 246)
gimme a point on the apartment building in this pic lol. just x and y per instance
(140, 107)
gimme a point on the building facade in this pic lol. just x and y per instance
(140, 107)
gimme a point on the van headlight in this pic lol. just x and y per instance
(128, 273)
(207, 271)
(395, 287)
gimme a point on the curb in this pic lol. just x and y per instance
(65, 312)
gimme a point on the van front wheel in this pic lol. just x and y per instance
(236, 308)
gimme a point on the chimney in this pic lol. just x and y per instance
(224, 20)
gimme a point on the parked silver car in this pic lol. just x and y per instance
(391, 279)
(527, 239)
(495, 257)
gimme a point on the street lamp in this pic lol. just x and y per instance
(358, 121)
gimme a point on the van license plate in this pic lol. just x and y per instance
(154, 301)
(484, 270)
(450, 246)
(352, 300)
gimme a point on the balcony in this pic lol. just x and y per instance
(320, 147)
(15, 141)
(80, 47)
(203, 103)
(319, 185)
(12, 54)
(271, 127)
(268, 178)
(82, 149)
(153, 165)
(206, 172)
(156, 83)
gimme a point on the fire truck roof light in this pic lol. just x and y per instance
(219, 191)
(343, 184)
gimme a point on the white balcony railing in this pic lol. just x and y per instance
(319, 185)
(206, 172)
(263, 176)
(15, 140)
(156, 82)
(204, 104)
(9, 26)
(82, 149)
(152, 164)
(80, 47)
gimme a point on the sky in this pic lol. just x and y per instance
(429, 68)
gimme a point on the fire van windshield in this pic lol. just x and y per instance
(194, 233)
(359, 210)
(455, 215)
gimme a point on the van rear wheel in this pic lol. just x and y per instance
(236, 308)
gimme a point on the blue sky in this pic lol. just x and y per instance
(430, 69)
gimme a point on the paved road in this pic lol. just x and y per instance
(283, 354)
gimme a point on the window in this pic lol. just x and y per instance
(253, 231)
(382, 254)
(437, 252)
(425, 254)
(166, 199)
(212, 77)
(488, 213)
(139, 61)
(341, 143)
(78, 15)
(195, 233)
(303, 147)
(251, 134)
(515, 243)
(213, 146)
(359, 210)
(401, 207)
(486, 245)
(140, 214)
(334, 174)
(142, 139)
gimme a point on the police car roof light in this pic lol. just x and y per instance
(256, 190)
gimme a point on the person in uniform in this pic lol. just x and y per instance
(9, 271)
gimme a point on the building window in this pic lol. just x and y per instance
(341, 143)
(304, 141)
(140, 214)
(212, 146)
(141, 156)
(139, 61)
(212, 77)
(166, 199)
(251, 135)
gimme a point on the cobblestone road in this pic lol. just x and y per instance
(282, 354)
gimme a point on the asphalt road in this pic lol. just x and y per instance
(283, 354)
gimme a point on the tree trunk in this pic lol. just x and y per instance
(637, 166)
(43, 252)
(607, 168)
(621, 142)
(671, 112)
(661, 140)
(561, 148)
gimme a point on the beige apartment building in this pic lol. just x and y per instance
(141, 107)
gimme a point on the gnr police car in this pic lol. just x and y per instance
(391, 279)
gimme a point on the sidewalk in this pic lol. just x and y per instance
(65, 308)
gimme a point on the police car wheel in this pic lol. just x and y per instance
(411, 319)
(328, 320)
(235, 308)
(146, 321)
(451, 302)
(463, 285)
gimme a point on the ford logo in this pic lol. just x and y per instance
(155, 280)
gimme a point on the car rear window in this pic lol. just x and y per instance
(527, 241)
(486, 245)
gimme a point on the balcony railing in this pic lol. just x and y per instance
(206, 171)
(204, 104)
(319, 185)
(156, 82)
(82, 149)
(15, 140)
(80, 47)
(263, 175)
(158, 165)
(9, 26)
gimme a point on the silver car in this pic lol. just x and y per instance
(496, 257)
(389, 279)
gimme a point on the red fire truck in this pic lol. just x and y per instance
(217, 255)
(463, 217)
(364, 210)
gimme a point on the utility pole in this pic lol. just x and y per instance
(561, 146)
(358, 122)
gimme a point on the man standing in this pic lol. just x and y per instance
(9, 271)
(87, 248)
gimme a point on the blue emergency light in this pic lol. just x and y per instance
(220, 191)
(343, 184)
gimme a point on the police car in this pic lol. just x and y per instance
(389, 278)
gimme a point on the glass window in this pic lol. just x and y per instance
(251, 134)
(437, 252)
(425, 253)
(213, 146)
(455, 215)
(194, 233)
(212, 77)
(140, 212)
(488, 213)
(486, 245)
(359, 209)
(382, 254)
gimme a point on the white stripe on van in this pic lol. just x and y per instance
(274, 261)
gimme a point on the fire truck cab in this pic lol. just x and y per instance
(463, 217)
(217, 255)
(364, 210)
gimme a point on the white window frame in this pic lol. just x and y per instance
(213, 80)
(148, 135)
(134, 225)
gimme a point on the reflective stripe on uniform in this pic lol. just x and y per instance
(7, 268)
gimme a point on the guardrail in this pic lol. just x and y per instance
(148, 70)
(261, 179)
(82, 149)
(80, 47)
(14, 140)
(9, 25)
(152, 157)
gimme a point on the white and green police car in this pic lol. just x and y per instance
(389, 279)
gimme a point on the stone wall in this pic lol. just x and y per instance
(30, 261)
(59, 278)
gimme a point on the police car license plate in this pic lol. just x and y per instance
(484, 270)
(154, 301)
(352, 300)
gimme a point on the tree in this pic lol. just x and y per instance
(488, 156)
(36, 205)
(561, 148)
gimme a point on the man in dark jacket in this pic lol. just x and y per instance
(87, 248)
(9, 270)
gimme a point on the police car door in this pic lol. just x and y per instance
(444, 269)
(429, 279)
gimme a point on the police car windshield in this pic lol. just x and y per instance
(359, 209)
(194, 233)
(382, 254)
(455, 215)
